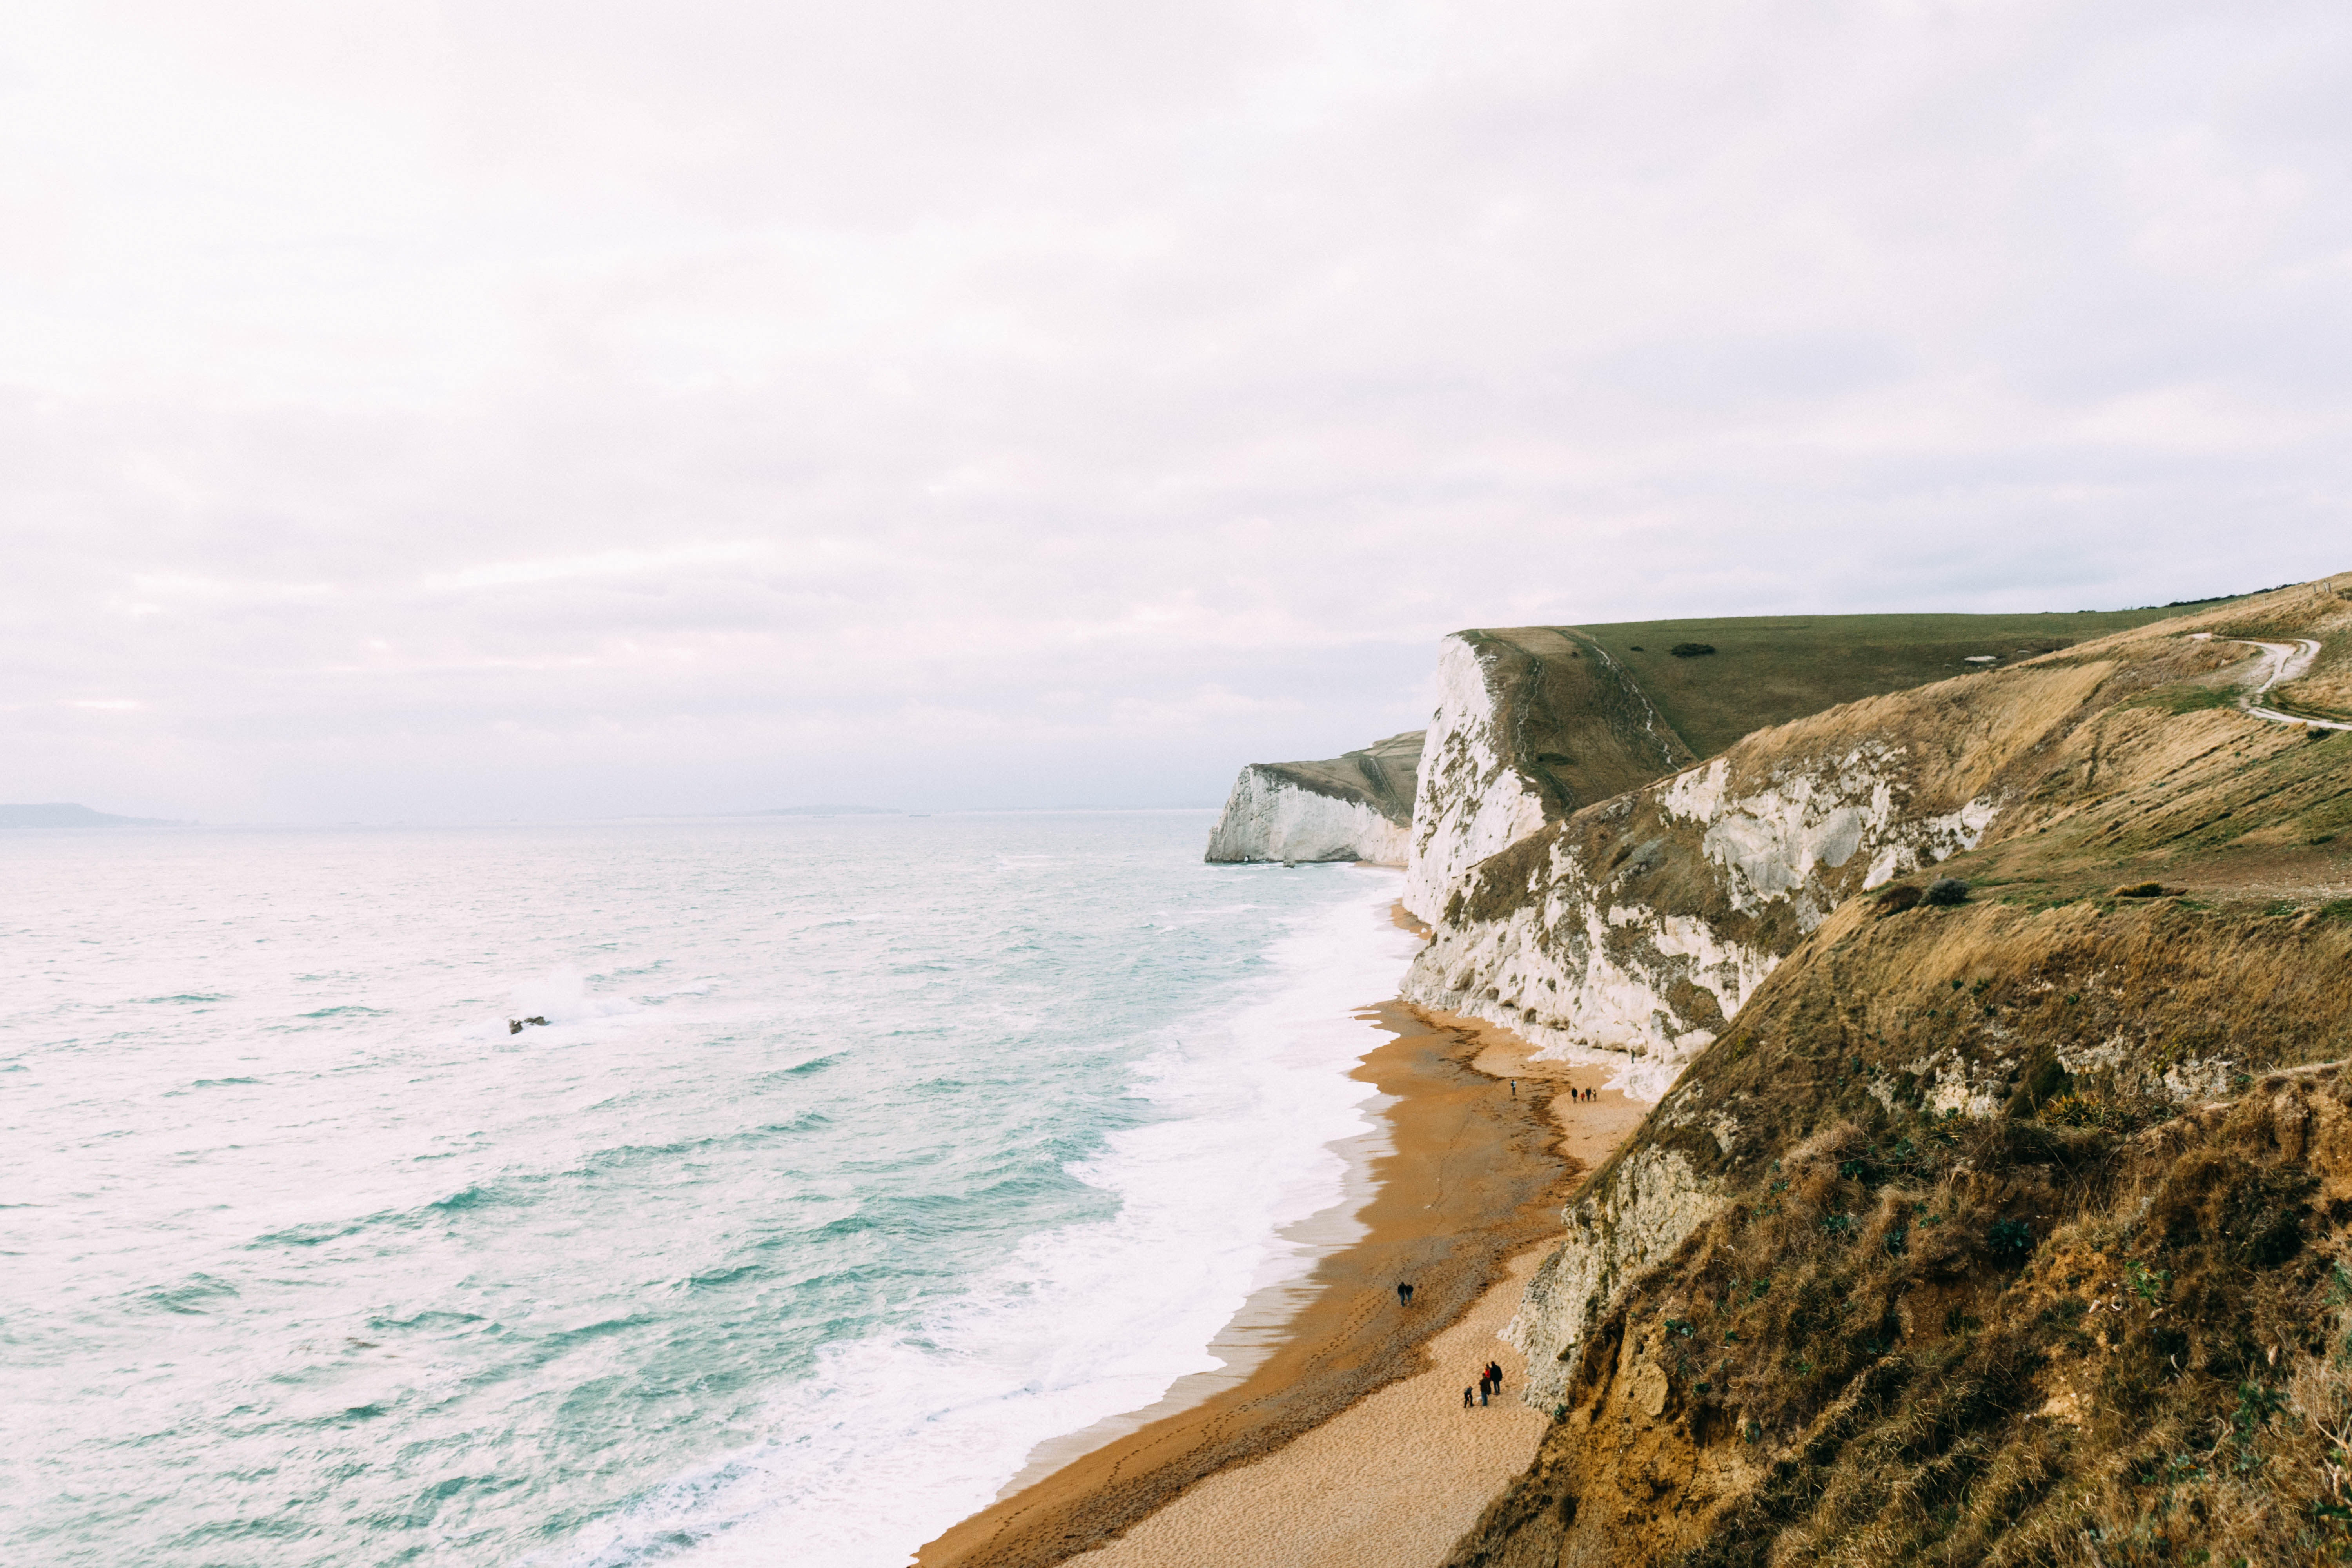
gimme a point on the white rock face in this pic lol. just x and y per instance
(1653, 1202)
(1771, 843)
(1579, 959)
(1271, 817)
(1574, 972)
(1471, 803)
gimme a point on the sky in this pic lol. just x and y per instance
(532, 410)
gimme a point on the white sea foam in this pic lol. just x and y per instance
(1083, 1323)
(854, 1160)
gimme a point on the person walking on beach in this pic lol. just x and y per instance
(1495, 1375)
(1404, 1294)
(1466, 1397)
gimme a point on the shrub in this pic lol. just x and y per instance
(2141, 890)
(2079, 1110)
(2009, 1238)
(1692, 649)
(1948, 890)
(1898, 899)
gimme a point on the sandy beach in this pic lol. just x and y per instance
(1347, 1443)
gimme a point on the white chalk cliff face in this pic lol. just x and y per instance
(1642, 925)
(1358, 806)
(1473, 802)
(1271, 816)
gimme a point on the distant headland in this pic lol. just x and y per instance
(62, 814)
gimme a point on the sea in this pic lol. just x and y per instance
(717, 1191)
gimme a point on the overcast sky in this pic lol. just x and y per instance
(491, 409)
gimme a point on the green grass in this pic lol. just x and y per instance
(1769, 670)
(2188, 698)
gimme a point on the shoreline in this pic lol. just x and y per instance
(1463, 1202)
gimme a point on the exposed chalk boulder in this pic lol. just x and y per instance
(1358, 806)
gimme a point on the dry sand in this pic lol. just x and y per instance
(1347, 1443)
(1390, 1482)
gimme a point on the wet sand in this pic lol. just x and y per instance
(1463, 1208)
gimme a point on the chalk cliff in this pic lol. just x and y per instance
(1950, 1230)
(1535, 722)
(1358, 806)
(1642, 924)
(1531, 723)
(1993, 979)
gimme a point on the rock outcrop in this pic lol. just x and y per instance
(1358, 806)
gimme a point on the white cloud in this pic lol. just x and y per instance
(725, 405)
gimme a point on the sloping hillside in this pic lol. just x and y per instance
(1533, 722)
(2007, 1229)
(1769, 670)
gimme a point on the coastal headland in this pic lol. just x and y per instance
(1463, 1202)
(1987, 977)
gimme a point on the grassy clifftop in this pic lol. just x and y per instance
(1587, 712)
(1380, 775)
(2018, 1230)
(1769, 670)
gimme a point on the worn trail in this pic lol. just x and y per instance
(2283, 662)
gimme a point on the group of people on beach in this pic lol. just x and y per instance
(1573, 1093)
(1490, 1381)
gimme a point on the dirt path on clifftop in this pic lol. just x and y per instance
(2283, 662)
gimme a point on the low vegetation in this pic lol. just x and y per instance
(2030, 1340)
(1774, 669)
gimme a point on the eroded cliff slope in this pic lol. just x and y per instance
(2013, 1229)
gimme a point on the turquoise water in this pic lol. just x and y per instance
(856, 1157)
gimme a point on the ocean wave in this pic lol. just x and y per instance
(898, 1227)
(196, 1296)
(1080, 1322)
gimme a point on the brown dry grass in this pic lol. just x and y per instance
(1996, 1342)
(2083, 1323)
